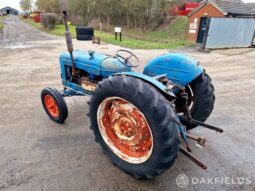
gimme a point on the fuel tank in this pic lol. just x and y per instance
(180, 69)
(93, 63)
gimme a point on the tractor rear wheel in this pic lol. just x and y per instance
(201, 98)
(135, 125)
(54, 105)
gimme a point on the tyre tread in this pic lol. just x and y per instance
(167, 137)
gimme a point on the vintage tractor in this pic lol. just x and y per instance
(139, 119)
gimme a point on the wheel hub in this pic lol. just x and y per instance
(51, 106)
(125, 130)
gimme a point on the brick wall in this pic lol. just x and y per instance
(194, 20)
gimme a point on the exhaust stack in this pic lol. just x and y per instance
(69, 43)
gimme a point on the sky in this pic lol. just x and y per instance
(11, 3)
(15, 3)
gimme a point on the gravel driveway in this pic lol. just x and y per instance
(16, 31)
(37, 154)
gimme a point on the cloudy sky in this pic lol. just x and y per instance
(15, 3)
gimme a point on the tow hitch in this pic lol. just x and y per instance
(186, 120)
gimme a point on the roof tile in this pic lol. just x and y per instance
(232, 6)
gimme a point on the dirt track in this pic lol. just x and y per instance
(36, 154)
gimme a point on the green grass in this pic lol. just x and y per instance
(1, 22)
(169, 37)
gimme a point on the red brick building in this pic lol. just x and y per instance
(214, 8)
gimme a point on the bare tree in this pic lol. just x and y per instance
(26, 5)
(52, 6)
(143, 14)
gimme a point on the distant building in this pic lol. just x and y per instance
(214, 8)
(9, 11)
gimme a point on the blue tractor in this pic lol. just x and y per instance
(139, 119)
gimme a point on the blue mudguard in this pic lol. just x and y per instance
(150, 80)
(180, 69)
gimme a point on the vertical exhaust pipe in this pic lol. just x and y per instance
(69, 43)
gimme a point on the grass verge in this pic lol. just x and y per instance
(1, 22)
(166, 39)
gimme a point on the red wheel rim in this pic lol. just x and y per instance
(125, 130)
(51, 106)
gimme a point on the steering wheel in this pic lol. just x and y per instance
(125, 61)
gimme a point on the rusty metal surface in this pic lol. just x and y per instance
(69, 42)
(200, 140)
(125, 130)
(87, 84)
(96, 40)
(193, 158)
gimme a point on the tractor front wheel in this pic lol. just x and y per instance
(54, 105)
(135, 125)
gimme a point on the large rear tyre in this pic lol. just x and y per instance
(54, 105)
(135, 125)
(201, 98)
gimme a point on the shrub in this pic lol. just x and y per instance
(48, 20)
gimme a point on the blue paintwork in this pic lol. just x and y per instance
(97, 64)
(148, 79)
(68, 92)
(180, 69)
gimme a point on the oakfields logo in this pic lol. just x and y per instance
(183, 180)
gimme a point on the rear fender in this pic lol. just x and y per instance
(161, 87)
(180, 69)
